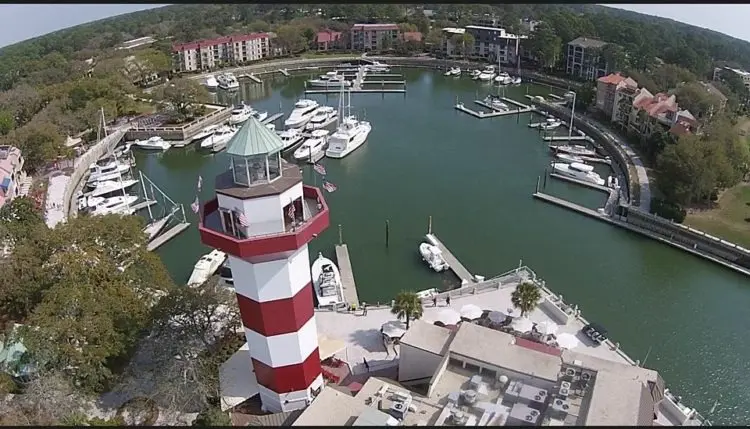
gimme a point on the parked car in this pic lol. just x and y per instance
(595, 332)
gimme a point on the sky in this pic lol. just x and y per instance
(20, 22)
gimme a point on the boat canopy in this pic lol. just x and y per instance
(582, 167)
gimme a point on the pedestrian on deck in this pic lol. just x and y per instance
(364, 309)
(434, 301)
(367, 365)
(448, 300)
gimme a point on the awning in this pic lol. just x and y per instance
(328, 347)
(237, 382)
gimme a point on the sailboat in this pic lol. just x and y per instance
(154, 228)
(350, 133)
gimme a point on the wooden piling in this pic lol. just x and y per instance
(341, 235)
(387, 231)
(538, 179)
(429, 225)
(544, 186)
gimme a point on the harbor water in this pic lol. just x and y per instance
(475, 178)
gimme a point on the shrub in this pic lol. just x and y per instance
(212, 416)
(668, 210)
(7, 385)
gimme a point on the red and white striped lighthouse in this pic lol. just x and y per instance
(263, 217)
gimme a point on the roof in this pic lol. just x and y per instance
(254, 138)
(585, 42)
(499, 349)
(325, 36)
(454, 30)
(372, 417)
(428, 337)
(237, 380)
(331, 408)
(612, 79)
(375, 27)
(618, 401)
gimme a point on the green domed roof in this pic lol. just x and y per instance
(254, 138)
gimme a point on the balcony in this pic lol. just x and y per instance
(312, 222)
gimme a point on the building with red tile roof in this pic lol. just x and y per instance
(329, 39)
(207, 54)
(373, 37)
(606, 91)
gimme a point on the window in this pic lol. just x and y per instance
(228, 222)
(258, 169)
(239, 171)
(274, 166)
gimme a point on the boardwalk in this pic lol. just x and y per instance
(143, 204)
(166, 236)
(456, 266)
(566, 138)
(347, 275)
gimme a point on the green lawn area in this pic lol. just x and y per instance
(728, 220)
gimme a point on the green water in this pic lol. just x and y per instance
(475, 178)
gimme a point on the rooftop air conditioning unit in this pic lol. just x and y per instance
(570, 371)
(529, 418)
(399, 406)
(586, 376)
(542, 393)
(565, 385)
(533, 413)
(558, 402)
(564, 392)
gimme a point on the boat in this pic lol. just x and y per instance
(219, 139)
(475, 74)
(517, 80)
(377, 67)
(433, 256)
(323, 117)
(260, 116)
(227, 81)
(486, 76)
(312, 147)
(331, 79)
(550, 124)
(304, 110)
(205, 132)
(154, 228)
(122, 150)
(350, 134)
(225, 273)
(578, 171)
(206, 267)
(106, 169)
(210, 82)
(105, 187)
(113, 205)
(291, 138)
(153, 143)
(240, 114)
(326, 279)
(503, 78)
(454, 71)
(427, 293)
(565, 157)
(496, 103)
(574, 149)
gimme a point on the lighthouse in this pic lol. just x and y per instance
(263, 217)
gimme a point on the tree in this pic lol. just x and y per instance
(525, 297)
(695, 98)
(185, 95)
(546, 45)
(615, 56)
(211, 417)
(19, 218)
(40, 143)
(151, 61)
(23, 102)
(407, 306)
(290, 38)
(46, 400)
(7, 122)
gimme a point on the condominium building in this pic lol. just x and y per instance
(207, 54)
(606, 92)
(329, 39)
(745, 76)
(490, 43)
(372, 37)
(583, 59)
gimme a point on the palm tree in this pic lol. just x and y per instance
(408, 306)
(526, 297)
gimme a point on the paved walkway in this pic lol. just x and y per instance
(54, 211)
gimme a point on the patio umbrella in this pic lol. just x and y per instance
(497, 316)
(522, 324)
(449, 316)
(354, 387)
(513, 312)
(471, 312)
(547, 327)
(393, 329)
(567, 341)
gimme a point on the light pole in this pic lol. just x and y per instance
(572, 114)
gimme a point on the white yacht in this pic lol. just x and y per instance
(240, 114)
(331, 79)
(486, 76)
(105, 187)
(122, 150)
(120, 204)
(218, 141)
(153, 143)
(326, 278)
(550, 124)
(454, 71)
(323, 117)
(433, 256)
(475, 74)
(312, 147)
(227, 81)
(503, 78)
(573, 149)
(206, 267)
(496, 103)
(291, 138)
(517, 80)
(377, 67)
(427, 293)
(205, 132)
(303, 111)
(350, 135)
(107, 169)
(578, 171)
(261, 116)
(210, 82)
(565, 157)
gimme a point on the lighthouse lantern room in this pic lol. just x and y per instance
(263, 217)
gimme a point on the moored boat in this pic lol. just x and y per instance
(433, 256)
(326, 279)
(304, 110)
(312, 147)
(105, 187)
(153, 143)
(120, 204)
(206, 267)
(573, 149)
(577, 170)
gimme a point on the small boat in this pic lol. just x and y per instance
(113, 205)
(260, 116)
(486, 76)
(517, 80)
(227, 81)
(329, 83)
(326, 278)
(121, 151)
(433, 256)
(205, 132)
(454, 71)
(475, 74)
(550, 124)
(154, 228)
(427, 293)
(377, 67)
(503, 78)
(565, 157)
(291, 138)
(206, 267)
(496, 103)
(219, 139)
(105, 187)
(240, 114)
(153, 143)
(312, 147)
(304, 110)
(225, 273)
(323, 117)
(578, 171)
(573, 149)
(210, 82)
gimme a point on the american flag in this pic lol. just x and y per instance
(320, 169)
(196, 205)
(243, 219)
(200, 182)
(330, 187)
(291, 211)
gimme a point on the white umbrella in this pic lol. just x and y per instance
(394, 329)
(547, 327)
(471, 312)
(497, 316)
(567, 341)
(513, 312)
(522, 324)
(449, 316)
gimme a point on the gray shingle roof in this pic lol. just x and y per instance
(586, 42)
(254, 138)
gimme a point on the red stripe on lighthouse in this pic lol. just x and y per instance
(281, 316)
(289, 378)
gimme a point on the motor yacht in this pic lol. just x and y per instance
(106, 169)
(312, 147)
(153, 143)
(578, 171)
(486, 76)
(105, 187)
(240, 114)
(427, 293)
(326, 278)
(350, 135)
(303, 111)
(565, 157)
(291, 138)
(496, 103)
(329, 80)
(205, 132)
(550, 124)
(227, 81)
(122, 150)
(503, 78)
(210, 82)
(218, 141)
(120, 204)
(433, 256)
(454, 71)
(573, 149)
(206, 267)
(260, 116)
(377, 67)
(323, 117)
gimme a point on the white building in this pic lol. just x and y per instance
(742, 74)
(490, 43)
(208, 54)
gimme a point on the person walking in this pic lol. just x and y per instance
(364, 309)
(367, 365)
(448, 300)
(434, 301)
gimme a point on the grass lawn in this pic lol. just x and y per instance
(728, 220)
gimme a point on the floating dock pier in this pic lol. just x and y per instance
(284, 72)
(143, 204)
(360, 91)
(179, 214)
(272, 118)
(252, 77)
(347, 275)
(457, 267)
(566, 138)
(571, 206)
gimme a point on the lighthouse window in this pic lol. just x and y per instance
(239, 171)
(274, 166)
(258, 169)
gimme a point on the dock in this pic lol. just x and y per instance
(566, 138)
(347, 275)
(143, 204)
(457, 267)
(284, 72)
(272, 118)
(570, 206)
(555, 96)
(482, 115)
(252, 77)
(162, 238)
(356, 91)
(383, 82)
(612, 193)
(517, 103)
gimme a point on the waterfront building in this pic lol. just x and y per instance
(328, 39)
(11, 173)
(490, 43)
(373, 37)
(583, 58)
(606, 92)
(263, 217)
(208, 54)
